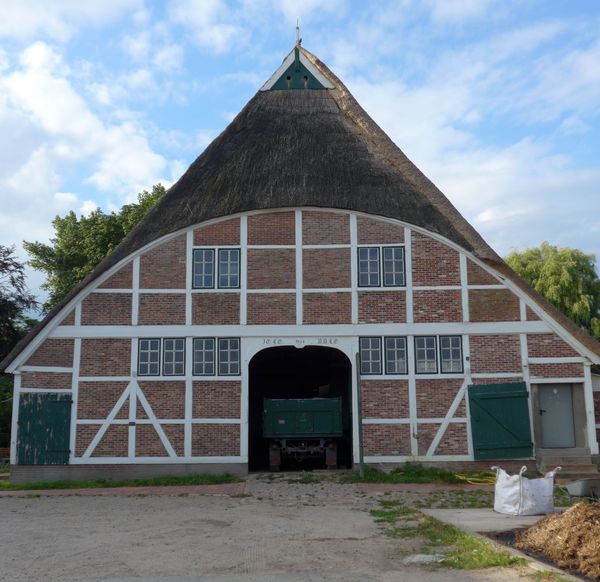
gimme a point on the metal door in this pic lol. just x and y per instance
(556, 412)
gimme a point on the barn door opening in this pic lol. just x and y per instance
(43, 429)
(288, 373)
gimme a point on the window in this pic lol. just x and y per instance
(203, 269)
(426, 355)
(393, 267)
(451, 354)
(204, 356)
(229, 268)
(368, 267)
(173, 357)
(395, 355)
(229, 357)
(149, 357)
(370, 355)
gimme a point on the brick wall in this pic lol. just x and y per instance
(105, 357)
(454, 441)
(114, 443)
(426, 433)
(555, 371)
(219, 399)
(381, 307)
(96, 400)
(493, 305)
(437, 306)
(53, 352)
(106, 309)
(530, 314)
(325, 228)
(323, 268)
(271, 268)
(434, 397)
(166, 398)
(386, 439)
(164, 266)
(161, 309)
(226, 232)
(495, 353)
(377, 232)
(478, 276)
(45, 380)
(274, 228)
(433, 263)
(175, 434)
(213, 440)
(327, 308)
(384, 398)
(496, 380)
(548, 345)
(271, 308)
(69, 319)
(147, 442)
(215, 308)
(122, 279)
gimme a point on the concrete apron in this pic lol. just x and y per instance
(482, 521)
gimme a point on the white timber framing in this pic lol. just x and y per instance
(346, 334)
(74, 397)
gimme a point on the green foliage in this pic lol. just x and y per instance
(167, 481)
(566, 277)
(81, 243)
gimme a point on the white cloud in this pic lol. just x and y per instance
(59, 20)
(451, 11)
(293, 9)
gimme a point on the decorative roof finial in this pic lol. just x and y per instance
(298, 39)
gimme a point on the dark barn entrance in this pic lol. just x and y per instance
(289, 372)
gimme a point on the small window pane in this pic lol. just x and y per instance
(204, 269)
(229, 268)
(426, 355)
(395, 355)
(393, 267)
(451, 354)
(370, 355)
(368, 267)
(174, 357)
(149, 357)
(229, 357)
(204, 356)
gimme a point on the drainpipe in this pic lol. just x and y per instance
(361, 458)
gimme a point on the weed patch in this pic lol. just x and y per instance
(416, 473)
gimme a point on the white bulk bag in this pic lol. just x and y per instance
(517, 495)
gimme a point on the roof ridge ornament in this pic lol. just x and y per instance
(298, 39)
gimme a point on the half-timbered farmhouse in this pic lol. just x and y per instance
(302, 255)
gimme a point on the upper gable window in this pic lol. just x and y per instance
(226, 273)
(377, 265)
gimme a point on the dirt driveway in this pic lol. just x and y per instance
(310, 534)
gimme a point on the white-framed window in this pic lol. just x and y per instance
(149, 357)
(229, 356)
(204, 356)
(368, 267)
(229, 268)
(393, 267)
(451, 361)
(395, 355)
(174, 357)
(370, 356)
(425, 354)
(203, 270)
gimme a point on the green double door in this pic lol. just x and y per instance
(43, 429)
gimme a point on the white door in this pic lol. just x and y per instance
(556, 412)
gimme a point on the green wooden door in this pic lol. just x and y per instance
(44, 429)
(500, 421)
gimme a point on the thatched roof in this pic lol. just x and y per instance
(306, 147)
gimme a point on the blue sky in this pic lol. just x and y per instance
(497, 101)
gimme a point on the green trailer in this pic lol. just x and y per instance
(302, 428)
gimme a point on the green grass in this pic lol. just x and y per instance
(416, 473)
(548, 576)
(4, 468)
(462, 550)
(99, 483)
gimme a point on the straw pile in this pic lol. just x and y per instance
(570, 539)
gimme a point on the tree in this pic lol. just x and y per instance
(566, 277)
(81, 243)
(15, 302)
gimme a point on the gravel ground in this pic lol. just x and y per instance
(277, 530)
